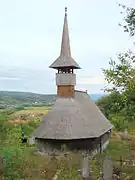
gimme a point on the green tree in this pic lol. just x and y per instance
(122, 77)
(110, 104)
(129, 19)
(122, 74)
(112, 107)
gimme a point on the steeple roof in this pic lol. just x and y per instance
(65, 59)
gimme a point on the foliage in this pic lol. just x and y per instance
(119, 105)
(129, 19)
(110, 103)
(4, 127)
(120, 124)
(121, 76)
(19, 108)
(19, 161)
(12, 151)
(112, 107)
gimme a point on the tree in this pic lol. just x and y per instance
(112, 107)
(121, 75)
(110, 104)
(129, 19)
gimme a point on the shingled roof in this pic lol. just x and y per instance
(73, 118)
(65, 59)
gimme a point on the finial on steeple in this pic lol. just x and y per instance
(65, 10)
(65, 59)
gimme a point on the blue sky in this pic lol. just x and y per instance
(30, 37)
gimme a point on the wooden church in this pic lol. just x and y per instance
(74, 120)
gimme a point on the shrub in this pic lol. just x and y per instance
(19, 108)
(119, 122)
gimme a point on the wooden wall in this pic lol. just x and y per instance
(65, 91)
(96, 145)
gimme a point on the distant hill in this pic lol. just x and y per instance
(95, 97)
(13, 98)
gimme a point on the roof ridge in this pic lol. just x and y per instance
(81, 91)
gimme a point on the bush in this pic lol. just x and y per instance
(119, 122)
(19, 108)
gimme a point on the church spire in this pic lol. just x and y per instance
(65, 59)
(65, 44)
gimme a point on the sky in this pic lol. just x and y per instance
(30, 37)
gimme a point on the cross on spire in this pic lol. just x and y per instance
(65, 59)
(65, 10)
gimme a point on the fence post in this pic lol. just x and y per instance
(121, 161)
(107, 169)
(85, 169)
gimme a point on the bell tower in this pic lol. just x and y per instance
(65, 65)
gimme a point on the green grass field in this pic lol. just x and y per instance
(37, 111)
(22, 161)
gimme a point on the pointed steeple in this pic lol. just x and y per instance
(65, 44)
(65, 59)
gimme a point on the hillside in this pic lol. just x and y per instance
(25, 98)
(8, 98)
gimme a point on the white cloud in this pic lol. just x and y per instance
(9, 78)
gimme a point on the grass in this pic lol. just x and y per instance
(32, 110)
(117, 149)
(24, 163)
(35, 166)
